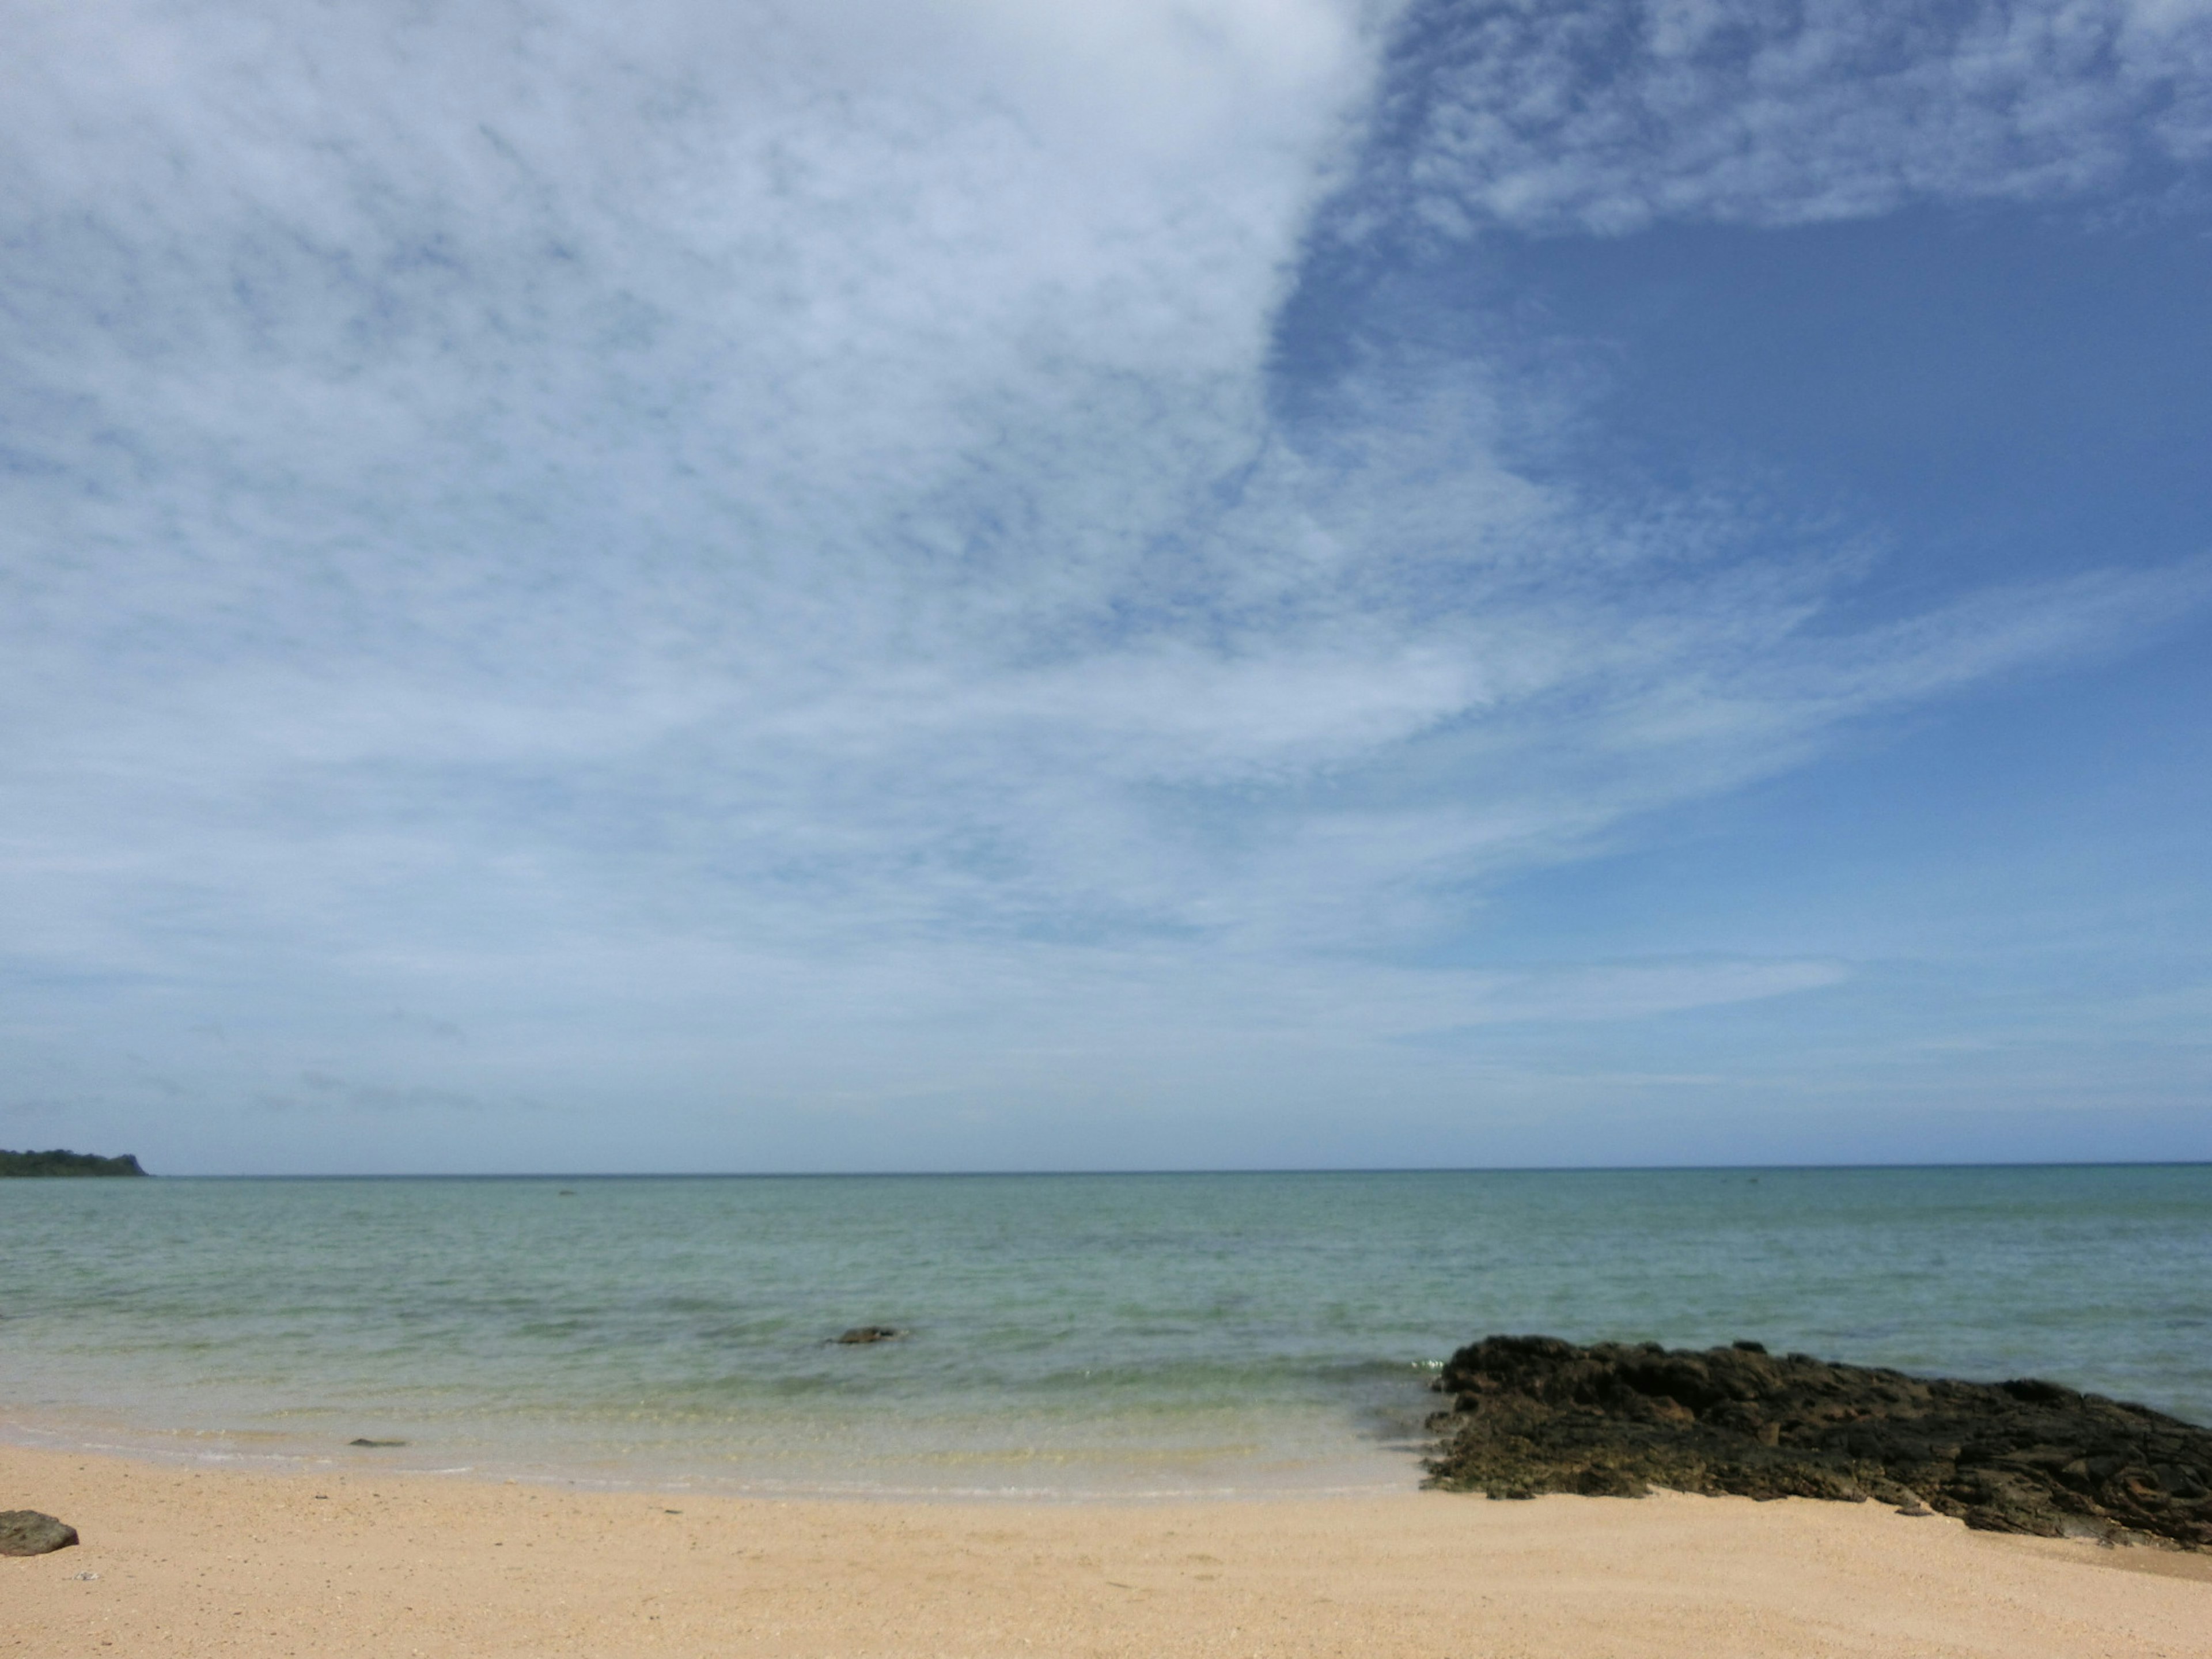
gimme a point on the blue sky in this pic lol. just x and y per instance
(1218, 584)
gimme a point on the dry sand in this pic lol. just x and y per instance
(179, 1562)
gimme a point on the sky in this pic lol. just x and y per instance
(963, 585)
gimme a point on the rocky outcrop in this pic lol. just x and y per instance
(861, 1333)
(1534, 1414)
(27, 1532)
(60, 1163)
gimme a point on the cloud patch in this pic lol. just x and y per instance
(1607, 116)
(691, 534)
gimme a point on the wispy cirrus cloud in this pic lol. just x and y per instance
(664, 539)
(1607, 115)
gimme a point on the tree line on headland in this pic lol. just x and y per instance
(59, 1162)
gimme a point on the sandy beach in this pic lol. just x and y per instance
(177, 1561)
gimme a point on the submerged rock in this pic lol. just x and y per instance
(868, 1334)
(27, 1532)
(1534, 1414)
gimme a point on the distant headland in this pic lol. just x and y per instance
(59, 1162)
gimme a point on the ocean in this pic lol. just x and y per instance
(1068, 1336)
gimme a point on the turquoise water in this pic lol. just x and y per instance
(1071, 1335)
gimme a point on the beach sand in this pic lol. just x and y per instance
(178, 1561)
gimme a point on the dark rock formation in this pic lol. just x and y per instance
(59, 1162)
(1535, 1414)
(376, 1443)
(868, 1334)
(27, 1532)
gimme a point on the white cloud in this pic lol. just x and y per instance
(699, 530)
(1607, 115)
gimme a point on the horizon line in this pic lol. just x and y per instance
(1067, 1174)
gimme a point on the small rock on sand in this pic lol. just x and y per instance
(27, 1532)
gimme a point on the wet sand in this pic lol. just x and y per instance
(178, 1561)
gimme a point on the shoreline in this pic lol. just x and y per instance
(189, 1561)
(1362, 1471)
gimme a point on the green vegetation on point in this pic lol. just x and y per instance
(59, 1162)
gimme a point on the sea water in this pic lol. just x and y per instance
(1067, 1335)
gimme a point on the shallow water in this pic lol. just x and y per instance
(1070, 1334)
